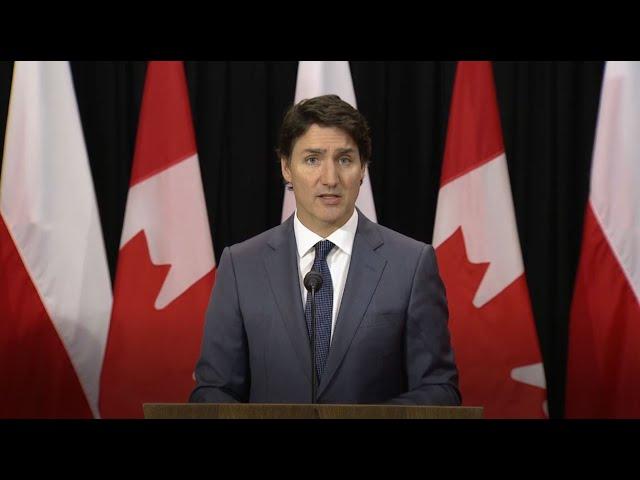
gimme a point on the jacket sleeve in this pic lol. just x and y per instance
(222, 372)
(432, 376)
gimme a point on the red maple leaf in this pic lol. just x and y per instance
(151, 354)
(492, 340)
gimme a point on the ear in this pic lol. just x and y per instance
(284, 167)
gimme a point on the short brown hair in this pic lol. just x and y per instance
(325, 111)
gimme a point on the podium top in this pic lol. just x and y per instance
(270, 411)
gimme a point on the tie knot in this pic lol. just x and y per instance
(323, 248)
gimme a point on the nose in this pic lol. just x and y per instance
(329, 174)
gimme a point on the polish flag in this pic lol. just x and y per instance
(55, 288)
(603, 368)
(325, 78)
(166, 265)
(476, 240)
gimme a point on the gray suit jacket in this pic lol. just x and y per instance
(391, 342)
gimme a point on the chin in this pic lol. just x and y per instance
(331, 218)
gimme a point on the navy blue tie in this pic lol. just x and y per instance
(324, 306)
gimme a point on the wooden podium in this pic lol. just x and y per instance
(272, 411)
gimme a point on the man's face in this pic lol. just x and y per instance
(325, 170)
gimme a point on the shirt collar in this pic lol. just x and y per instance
(343, 237)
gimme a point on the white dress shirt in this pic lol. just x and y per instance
(338, 259)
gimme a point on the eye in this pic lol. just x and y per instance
(345, 160)
(311, 160)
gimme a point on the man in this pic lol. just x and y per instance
(381, 315)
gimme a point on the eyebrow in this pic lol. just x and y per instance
(323, 150)
(346, 150)
(314, 150)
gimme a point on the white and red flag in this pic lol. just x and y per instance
(325, 78)
(476, 240)
(166, 265)
(603, 368)
(55, 289)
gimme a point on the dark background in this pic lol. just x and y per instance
(548, 112)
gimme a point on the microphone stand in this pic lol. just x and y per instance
(314, 377)
(313, 283)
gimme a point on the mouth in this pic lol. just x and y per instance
(330, 198)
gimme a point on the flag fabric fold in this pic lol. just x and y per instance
(166, 264)
(603, 366)
(55, 287)
(476, 240)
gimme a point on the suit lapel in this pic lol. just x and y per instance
(282, 270)
(365, 270)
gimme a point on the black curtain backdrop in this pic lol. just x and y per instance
(548, 112)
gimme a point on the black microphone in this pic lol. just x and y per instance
(313, 283)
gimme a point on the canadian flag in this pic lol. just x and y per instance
(55, 288)
(603, 368)
(166, 265)
(476, 240)
(325, 78)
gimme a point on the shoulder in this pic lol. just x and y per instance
(402, 253)
(255, 246)
(388, 240)
(397, 240)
